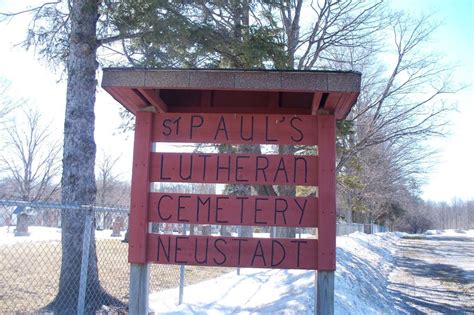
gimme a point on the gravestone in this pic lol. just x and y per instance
(117, 227)
(23, 220)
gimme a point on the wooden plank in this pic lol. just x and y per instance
(333, 100)
(192, 109)
(139, 288)
(345, 106)
(317, 96)
(152, 96)
(234, 168)
(279, 253)
(232, 210)
(127, 98)
(140, 187)
(235, 128)
(325, 293)
(327, 193)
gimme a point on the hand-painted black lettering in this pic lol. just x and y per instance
(166, 125)
(260, 168)
(292, 124)
(281, 168)
(196, 122)
(305, 168)
(224, 167)
(258, 253)
(166, 253)
(267, 136)
(224, 257)
(219, 209)
(203, 202)
(242, 199)
(301, 208)
(162, 163)
(204, 156)
(298, 252)
(238, 168)
(159, 207)
(203, 261)
(177, 249)
(180, 207)
(239, 240)
(281, 205)
(176, 122)
(275, 263)
(250, 136)
(221, 127)
(257, 209)
(181, 167)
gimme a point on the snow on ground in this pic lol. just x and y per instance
(41, 234)
(450, 232)
(363, 264)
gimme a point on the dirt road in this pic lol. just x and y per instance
(434, 274)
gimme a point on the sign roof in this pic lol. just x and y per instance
(233, 91)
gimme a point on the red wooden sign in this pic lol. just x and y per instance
(232, 210)
(232, 251)
(235, 128)
(248, 169)
(234, 168)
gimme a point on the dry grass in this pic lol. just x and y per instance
(29, 273)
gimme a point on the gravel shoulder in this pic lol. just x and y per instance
(433, 274)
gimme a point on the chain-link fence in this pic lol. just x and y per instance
(31, 257)
(31, 260)
(343, 228)
(35, 275)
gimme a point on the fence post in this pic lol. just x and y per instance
(86, 241)
(139, 289)
(239, 234)
(181, 275)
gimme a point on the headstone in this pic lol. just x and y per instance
(22, 225)
(206, 230)
(117, 227)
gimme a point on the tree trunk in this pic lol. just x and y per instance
(286, 190)
(78, 179)
(348, 212)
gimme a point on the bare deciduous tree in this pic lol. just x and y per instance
(7, 103)
(66, 33)
(458, 214)
(401, 102)
(314, 31)
(111, 191)
(31, 159)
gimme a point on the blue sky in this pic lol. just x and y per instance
(450, 178)
(454, 39)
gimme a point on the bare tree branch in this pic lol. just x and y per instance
(32, 159)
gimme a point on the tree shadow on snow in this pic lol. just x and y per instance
(369, 282)
(294, 296)
(433, 299)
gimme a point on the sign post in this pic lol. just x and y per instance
(233, 107)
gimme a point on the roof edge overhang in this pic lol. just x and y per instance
(335, 92)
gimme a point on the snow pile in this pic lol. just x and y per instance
(363, 263)
(451, 232)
